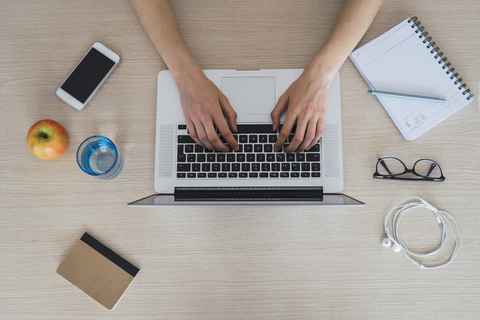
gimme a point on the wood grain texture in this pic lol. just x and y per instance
(225, 263)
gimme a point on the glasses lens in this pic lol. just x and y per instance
(390, 166)
(427, 168)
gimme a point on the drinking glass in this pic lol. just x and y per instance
(98, 156)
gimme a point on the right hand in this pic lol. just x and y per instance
(204, 106)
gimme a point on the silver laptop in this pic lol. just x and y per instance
(188, 174)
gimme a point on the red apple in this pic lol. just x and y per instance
(47, 139)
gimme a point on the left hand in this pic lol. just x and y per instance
(306, 104)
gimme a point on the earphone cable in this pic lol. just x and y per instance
(443, 218)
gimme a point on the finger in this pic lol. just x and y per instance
(193, 133)
(318, 133)
(284, 133)
(226, 133)
(280, 107)
(309, 137)
(202, 135)
(229, 113)
(213, 137)
(299, 135)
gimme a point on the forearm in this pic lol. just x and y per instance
(158, 20)
(353, 21)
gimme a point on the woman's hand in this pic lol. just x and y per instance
(306, 104)
(205, 107)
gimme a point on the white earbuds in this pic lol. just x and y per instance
(387, 242)
(444, 219)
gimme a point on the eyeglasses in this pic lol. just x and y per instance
(393, 168)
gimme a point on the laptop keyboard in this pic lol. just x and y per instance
(255, 158)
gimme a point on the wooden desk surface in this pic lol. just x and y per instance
(225, 263)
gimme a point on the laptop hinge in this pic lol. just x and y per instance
(249, 194)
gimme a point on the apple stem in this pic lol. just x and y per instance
(43, 135)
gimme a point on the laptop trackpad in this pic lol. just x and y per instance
(250, 95)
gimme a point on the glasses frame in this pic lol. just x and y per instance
(396, 176)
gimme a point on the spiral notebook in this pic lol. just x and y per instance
(406, 60)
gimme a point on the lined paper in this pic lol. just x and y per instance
(402, 61)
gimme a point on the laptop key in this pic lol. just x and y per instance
(211, 157)
(273, 174)
(201, 157)
(263, 174)
(226, 167)
(305, 174)
(212, 175)
(316, 166)
(294, 175)
(183, 167)
(191, 175)
(243, 175)
(185, 139)
(222, 174)
(284, 174)
(216, 167)
(232, 175)
(315, 148)
(191, 157)
(181, 158)
(253, 174)
(313, 156)
(188, 148)
(236, 167)
(181, 175)
(260, 157)
(316, 174)
(255, 128)
(206, 167)
(196, 167)
(201, 175)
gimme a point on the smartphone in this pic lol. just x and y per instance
(88, 76)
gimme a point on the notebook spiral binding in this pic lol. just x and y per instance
(438, 56)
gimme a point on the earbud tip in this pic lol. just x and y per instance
(396, 247)
(386, 242)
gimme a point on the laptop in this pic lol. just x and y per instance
(188, 174)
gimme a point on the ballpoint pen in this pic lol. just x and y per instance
(405, 96)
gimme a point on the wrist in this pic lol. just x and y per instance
(321, 70)
(185, 72)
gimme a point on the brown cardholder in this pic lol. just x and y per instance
(98, 271)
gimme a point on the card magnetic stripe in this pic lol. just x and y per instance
(110, 255)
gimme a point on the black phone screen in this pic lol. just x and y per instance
(87, 75)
